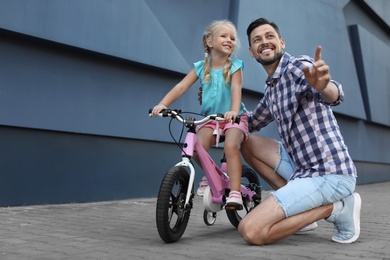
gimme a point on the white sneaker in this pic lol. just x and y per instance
(306, 229)
(202, 186)
(347, 221)
(234, 201)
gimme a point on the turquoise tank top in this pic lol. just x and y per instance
(216, 95)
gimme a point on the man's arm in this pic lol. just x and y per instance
(318, 77)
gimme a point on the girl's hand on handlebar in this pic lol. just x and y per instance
(157, 109)
(230, 116)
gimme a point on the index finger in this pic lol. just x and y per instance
(318, 53)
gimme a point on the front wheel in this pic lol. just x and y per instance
(250, 180)
(171, 214)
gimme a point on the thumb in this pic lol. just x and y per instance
(306, 70)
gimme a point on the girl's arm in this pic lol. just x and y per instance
(236, 87)
(176, 92)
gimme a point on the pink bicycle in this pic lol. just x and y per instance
(175, 197)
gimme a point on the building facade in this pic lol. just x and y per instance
(77, 79)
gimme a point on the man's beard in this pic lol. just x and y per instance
(276, 57)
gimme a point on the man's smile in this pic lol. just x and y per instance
(266, 50)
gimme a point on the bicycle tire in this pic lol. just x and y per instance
(209, 218)
(252, 182)
(171, 214)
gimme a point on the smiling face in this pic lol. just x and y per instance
(266, 46)
(223, 40)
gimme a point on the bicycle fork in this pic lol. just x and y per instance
(185, 162)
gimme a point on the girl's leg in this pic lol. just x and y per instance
(206, 138)
(233, 140)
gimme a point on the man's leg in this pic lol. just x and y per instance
(301, 202)
(267, 223)
(262, 154)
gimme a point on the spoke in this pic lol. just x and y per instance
(173, 205)
(173, 199)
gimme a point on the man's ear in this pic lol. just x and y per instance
(282, 43)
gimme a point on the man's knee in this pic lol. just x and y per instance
(243, 231)
(247, 232)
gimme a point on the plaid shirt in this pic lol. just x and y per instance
(306, 124)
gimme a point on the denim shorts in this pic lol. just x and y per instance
(302, 194)
(286, 165)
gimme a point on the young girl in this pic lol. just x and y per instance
(221, 80)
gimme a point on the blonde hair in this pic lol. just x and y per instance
(209, 33)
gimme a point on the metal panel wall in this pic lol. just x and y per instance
(78, 77)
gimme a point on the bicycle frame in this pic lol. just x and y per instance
(218, 179)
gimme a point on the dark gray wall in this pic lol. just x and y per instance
(78, 77)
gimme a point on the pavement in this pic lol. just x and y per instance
(126, 229)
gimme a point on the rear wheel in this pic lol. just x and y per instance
(251, 181)
(171, 214)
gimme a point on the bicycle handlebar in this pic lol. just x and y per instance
(189, 120)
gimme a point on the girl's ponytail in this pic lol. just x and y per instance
(226, 71)
(207, 75)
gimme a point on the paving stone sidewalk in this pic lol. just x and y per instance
(126, 229)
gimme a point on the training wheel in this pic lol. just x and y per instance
(208, 203)
(209, 218)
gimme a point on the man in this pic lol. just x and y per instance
(310, 168)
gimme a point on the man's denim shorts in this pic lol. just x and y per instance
(303, 194)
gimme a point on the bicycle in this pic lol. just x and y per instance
(176, 193)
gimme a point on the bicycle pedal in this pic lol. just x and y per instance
(234, 207)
